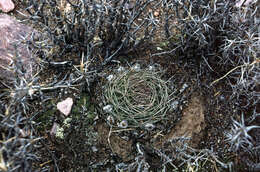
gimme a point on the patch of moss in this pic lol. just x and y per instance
(45, 120)
(83, 102)
(83, 111)
(164, 44)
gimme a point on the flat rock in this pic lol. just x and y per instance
(14, 49)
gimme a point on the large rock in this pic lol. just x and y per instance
(14, 49)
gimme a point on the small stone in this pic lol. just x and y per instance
(110, 77)
(159, 48)
(94, 148)
(136, 67)
(149, 126)
(151, 68)
(108, 108)
(54, 129)
(156, 13)
(65, 106)
(174, 105)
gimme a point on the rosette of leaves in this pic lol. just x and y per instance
(139, 98)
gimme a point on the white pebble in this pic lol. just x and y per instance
(94, 148)
(151, 68)
(120, 69)
(183, 87)
(110, 77)
(136, 67)
(174, 105)
(149, 126)
(108, 108)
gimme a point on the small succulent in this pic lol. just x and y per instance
(138, 96)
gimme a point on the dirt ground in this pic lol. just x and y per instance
(90, 144)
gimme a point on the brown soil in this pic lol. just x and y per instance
(119, 146)
(191, 125)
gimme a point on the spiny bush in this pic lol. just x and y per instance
(92, 29)
(223, 39)
(18, 142)
(239, 136)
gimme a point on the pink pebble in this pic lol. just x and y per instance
(65, 106)
(54, 129)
